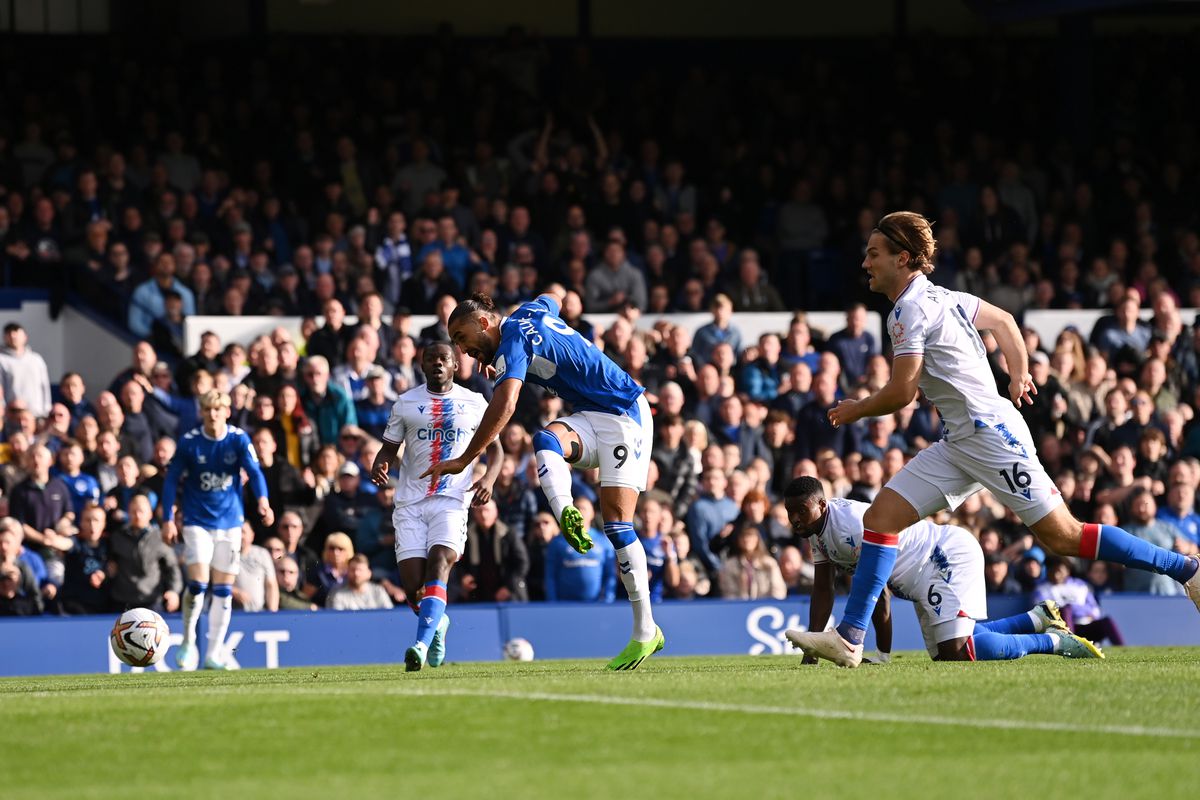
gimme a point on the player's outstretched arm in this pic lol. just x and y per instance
(383, 462)
(497, 415)
(483, 486)
(895, 395)
(1012, 344)
(821, 605)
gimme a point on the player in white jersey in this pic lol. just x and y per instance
(940, 569)
(985, 442)
(433, 422)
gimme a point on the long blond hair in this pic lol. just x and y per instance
(909, 232)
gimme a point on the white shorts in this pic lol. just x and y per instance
(434, 520)
(1001, 459)
(619, 444)
(221, 549)
(947, 590)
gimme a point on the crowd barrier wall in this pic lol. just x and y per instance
(66, 645)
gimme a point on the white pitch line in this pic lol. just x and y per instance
(644, 702)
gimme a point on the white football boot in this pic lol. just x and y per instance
(828, 645)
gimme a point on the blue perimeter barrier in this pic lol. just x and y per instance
(63, 645)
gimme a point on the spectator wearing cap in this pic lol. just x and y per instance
(23, 373)
(375, 406)
(289, 292)
(148, 302)
(345, 506)
(328, 407)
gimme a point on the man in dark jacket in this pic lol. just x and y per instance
(495, 562)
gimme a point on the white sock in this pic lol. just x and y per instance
(631, 561)
(1057, 636)
(219, 613)
(193, 604)
(1039, 624)
(554, 474)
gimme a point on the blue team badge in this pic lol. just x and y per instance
(201, 459)
(231, 458)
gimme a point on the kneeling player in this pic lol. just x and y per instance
(210, 459)
(434, 422)
(940, 569)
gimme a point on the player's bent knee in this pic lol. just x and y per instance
(222, 590)
(546, 440)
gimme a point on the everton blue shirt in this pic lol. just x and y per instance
(536, 345)
(212, 481)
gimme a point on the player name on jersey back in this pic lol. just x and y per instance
(433, 428)
(538, 346)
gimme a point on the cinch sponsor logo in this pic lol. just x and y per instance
(440, 434)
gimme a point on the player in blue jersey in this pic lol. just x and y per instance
(610, 428)
(210, 460)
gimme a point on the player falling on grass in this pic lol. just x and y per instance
(210, 460)
(940, 569)
(433, 422)
(610, 428)
(985, 441)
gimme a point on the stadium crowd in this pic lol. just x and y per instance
(321, 180)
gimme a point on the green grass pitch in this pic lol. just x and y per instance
(730, 727)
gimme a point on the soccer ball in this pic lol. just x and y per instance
(140, 637)
(518, 650)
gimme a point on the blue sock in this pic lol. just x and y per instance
(1110, 543)
(621, 534)
(875, 564)
(429, 613)
(991, 646)
(1018, 623)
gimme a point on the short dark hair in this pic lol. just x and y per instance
(13, 326)
(805, 487)
(475, 304)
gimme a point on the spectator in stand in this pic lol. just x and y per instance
(41, 502)
(589, 577)
(997, 578)
(1142, 524)
(1077, 603)
(428, 285)
(148, 302)
(291, 587)
(81, 487)
(327, 407)
(456, 259)
(330, 340)
(330, 572)
(711, 515)
(1180, 512)
(749, 572)
(85, 566)
(854, 345)
(720, 331)
(751, 292)
(614, 282)
(761, 377)
(358, 592)
(286, 486)
(1122, 329)
(143, 572)
(495, 562)
(813, 431)
(23, 373)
